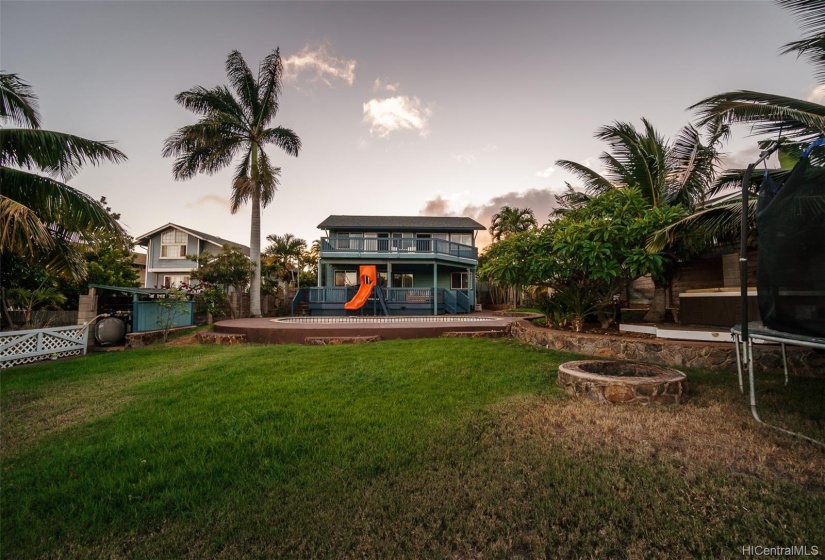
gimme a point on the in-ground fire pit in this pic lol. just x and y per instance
(622, 382)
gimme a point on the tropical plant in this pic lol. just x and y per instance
(232, 124)
(45, 294)
(42, 219)
(110, 262)
(218, 273)
(509, 220)
(284, 256)
(667, 175)
(794, 123)
(171, 308)
(587, 256)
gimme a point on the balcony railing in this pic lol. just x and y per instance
(393, 295)
(398, 246)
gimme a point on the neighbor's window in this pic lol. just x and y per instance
(175, 281)
(460, 281)
(346, 278)
(402, 280)
(173, 244)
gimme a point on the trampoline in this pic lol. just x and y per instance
(790, 270)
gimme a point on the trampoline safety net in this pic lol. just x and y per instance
(790, 274)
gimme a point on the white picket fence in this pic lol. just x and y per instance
(22, 347)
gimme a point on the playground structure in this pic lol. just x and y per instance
(368, 276)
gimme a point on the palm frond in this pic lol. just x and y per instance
(205, 147)
(594, 183)
(284, 138)
(209, 102)
(769, 113)
(268, 178)
(718, 225)
(569, 200)
(811, 16)
(55, 153)
(244, 84)
(18, 103)
(21, 231)
(269, 76)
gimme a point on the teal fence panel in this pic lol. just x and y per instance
(151, 316)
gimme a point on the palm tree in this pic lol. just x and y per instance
(511, 220)
(233, 124)
(794, 122)
(667, 174)
(43, 220)
(29, 299)
(284, 254)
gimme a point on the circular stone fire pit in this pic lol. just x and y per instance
(622, 382)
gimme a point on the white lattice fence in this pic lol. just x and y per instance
(21, 347)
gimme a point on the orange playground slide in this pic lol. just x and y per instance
(367, 275)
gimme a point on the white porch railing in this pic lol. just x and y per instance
(21, 347)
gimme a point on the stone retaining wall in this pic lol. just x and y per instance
(802, 362)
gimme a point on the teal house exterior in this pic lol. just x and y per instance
(426, 264)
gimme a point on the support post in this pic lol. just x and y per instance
(435, 288)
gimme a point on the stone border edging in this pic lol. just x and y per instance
(803, 362)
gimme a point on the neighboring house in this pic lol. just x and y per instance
(167, 250)
(139, 264)
(426, 265)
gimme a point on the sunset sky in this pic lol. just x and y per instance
(403, 108)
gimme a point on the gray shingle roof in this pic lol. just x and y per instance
(219, 241)
(443, 223)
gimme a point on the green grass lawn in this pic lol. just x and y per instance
(420, 448)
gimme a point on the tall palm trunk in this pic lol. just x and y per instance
(255, 240)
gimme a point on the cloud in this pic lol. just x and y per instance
(437, 206)
(464, 157)
(396, 113)
(541, 201)
(490, 148)
(222, 201)
(817, 94)
(318, 64)
(378, 85)
(546, 173)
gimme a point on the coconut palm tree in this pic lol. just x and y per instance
(667, 174)
(793, 122)
(511, 220)
(43, 220)
(237, 123)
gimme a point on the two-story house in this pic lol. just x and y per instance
(167, 253)
(426, 265)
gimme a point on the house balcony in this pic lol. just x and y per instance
(406, 248)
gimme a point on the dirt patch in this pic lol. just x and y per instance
(185, 340)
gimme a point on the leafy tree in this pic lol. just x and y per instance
(586, 256)
(666, 174)
(42, 219)
(218, 273)
(510, 220)
(110, 262)
(233, 124)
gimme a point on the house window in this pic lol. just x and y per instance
(345, 240)
(460, 281)
(463, 238)
(175, 281)
(403, 280)
(346, 278)
(173, 244)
